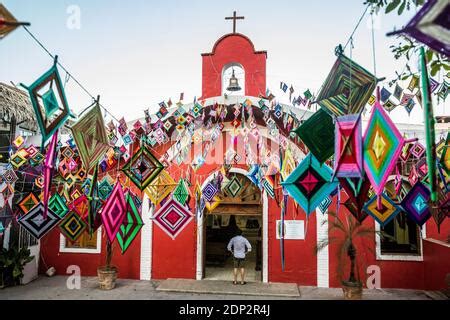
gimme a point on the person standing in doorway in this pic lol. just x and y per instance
(239, 246)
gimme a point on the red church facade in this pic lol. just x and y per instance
(154, 255)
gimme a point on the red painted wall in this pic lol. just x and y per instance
(300, 257)
(426, 274)
(239, 49)
(437, 265)
(443, 234)
(128, 263)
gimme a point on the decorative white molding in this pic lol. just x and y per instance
(265, 235)
(398, 257)
(146, 240)
(199, 269)
(97, 250)
(323, 265)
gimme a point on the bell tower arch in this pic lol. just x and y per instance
(234, 49)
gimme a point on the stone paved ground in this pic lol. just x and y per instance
(55, 289)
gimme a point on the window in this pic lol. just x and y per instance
(84, 244)
(401, 238)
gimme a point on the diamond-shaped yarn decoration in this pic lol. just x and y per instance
(160, 188)
(347, 88)
(310, 183)
(131, 225)
(382, 146)
(268, 184)
(234, 187)
(91, 137)
(9, 176)
(213, 204)
(80, 205)
(445, 157)
(95, 203)
(318, 134)
(104, 189)
(358, 193)
(28, 202)
(415, 203)
(388, 211)
(17, 160)
(143, 168)
(58, 205)
(181, 192)
(114, 212)
(348, 147)
(356, 212)
(254, 175)
(35, 223)
(50, 102)
(210, 191)
(325, 204)
(418, 150)
(72, 226)
(172, 218)
(54, 109)
(5, 15)
(430, 26)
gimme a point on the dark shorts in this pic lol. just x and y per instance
(239, 263)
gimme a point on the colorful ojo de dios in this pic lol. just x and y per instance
(37, 222)
(347, 88)
(160, 188)
(114, 212)
(388, 211)
(318, 133)
(172, 218)
(382, 146)
(54, 110)
(143, 167)
(416, 203)
(310, 183)
(90, 137)
(73, 226)
(348, 147)
(49, 168)
(131, 225)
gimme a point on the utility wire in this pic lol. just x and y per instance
(357, 26)
(68, 74)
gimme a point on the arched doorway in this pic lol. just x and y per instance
(240, 208)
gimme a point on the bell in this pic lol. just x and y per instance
(234, 83)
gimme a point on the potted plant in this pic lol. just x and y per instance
(347, 233)
(107, 275)
(12, 263)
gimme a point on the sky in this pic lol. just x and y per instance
(138, 53)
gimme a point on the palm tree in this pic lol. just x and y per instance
(348, 231)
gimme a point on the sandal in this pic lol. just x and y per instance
(235, 282)
(242, 283)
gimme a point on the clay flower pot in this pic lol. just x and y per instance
(352, 290)
(107, 277)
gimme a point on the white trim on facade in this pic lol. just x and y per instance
(265, 249)
(398, 257)
(265, 235)
(97, 250)
(146, 240)
(323, 265)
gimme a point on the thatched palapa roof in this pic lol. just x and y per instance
(14, 101)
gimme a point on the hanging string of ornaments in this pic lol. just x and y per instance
(101, 175)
